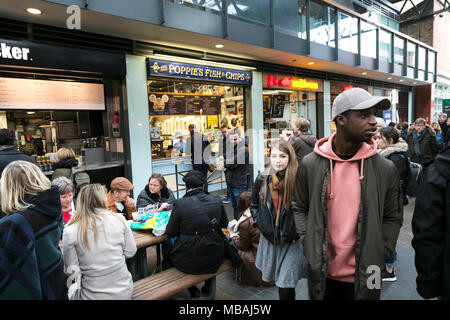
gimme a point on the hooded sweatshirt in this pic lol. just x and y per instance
(344, 197)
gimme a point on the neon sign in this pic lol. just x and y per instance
(291, 82)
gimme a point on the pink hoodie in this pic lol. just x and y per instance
(344, 195)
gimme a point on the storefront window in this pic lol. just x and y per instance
(174, 105)
(411, 54)
(431, 61)
(385, 46)
(322, 24)
(348, 33)
(368, 40)
(422, 53)
(398, 50)
(290, 16)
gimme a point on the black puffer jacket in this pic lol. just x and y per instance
(9, 154)
(199, 248)
(146, 197)
(397, 153)
(264, 216)
(236, 163)
(431, 229)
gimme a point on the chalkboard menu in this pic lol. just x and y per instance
(183, 104)
(267, 106)
(278, 102)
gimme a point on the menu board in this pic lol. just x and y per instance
(50, 95)
(267, 106)
(184, 104)
(277, 106)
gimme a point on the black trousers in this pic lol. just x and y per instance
(339, 290)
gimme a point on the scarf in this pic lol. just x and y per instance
(276, 187)
(416, 141)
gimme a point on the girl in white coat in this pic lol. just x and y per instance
(96, 243)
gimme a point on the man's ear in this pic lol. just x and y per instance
(340, 120)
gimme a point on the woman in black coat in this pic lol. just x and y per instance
(156, 192)
(394, 149)
(196, 219)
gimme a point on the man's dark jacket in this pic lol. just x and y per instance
(303, 144)
(236, 163)
(199, 248)
(428, 146)
(9, 154)
(431, 229)
(379, 220)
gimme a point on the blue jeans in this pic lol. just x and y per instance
(390, 262)
(166, 247)
(235, 193)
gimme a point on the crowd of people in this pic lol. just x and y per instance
(325, 210)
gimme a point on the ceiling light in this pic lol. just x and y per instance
(31, 112)
(219, 45)
(364, 73)
(389, 78)
(415, 82)
(34, 11)
(401, 80)
(310, 63)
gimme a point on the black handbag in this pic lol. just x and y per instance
(231, 251)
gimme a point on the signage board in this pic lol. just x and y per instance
(289, 82)
(32, 94)
(161, 103)
(161, 68)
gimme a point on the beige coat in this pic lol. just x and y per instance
(101, 271)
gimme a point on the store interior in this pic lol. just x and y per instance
(166, 129)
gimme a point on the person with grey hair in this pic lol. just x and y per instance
(422, 143)
(65, 187)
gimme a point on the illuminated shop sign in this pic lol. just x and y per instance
(291, 82)
(163, 68)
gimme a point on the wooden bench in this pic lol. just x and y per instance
(167, 283)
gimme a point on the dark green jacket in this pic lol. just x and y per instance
(379, 220)
(428, 146)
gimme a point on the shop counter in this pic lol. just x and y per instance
(174, 169)
(102, 173)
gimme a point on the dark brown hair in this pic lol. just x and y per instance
(244, 202)
(160, 178)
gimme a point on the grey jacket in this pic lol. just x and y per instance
(378, 225)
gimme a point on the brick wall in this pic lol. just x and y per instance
(441, 41)
(424, 103)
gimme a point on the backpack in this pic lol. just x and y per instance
(414, 174)
(80, 179)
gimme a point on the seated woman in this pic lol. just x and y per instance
(94, 258)
(156, 192)
(196, 219)
(66, 161)
(247, 242)
(31, 265)
(65, 187)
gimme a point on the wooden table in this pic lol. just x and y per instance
(138, 264)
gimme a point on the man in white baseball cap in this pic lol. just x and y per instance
(357, 191)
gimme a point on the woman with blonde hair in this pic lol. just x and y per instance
(66, 161)
(280, 253)
(439, 137)
(30, 261)
(94, 258)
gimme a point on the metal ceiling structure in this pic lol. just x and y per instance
(414, 10)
